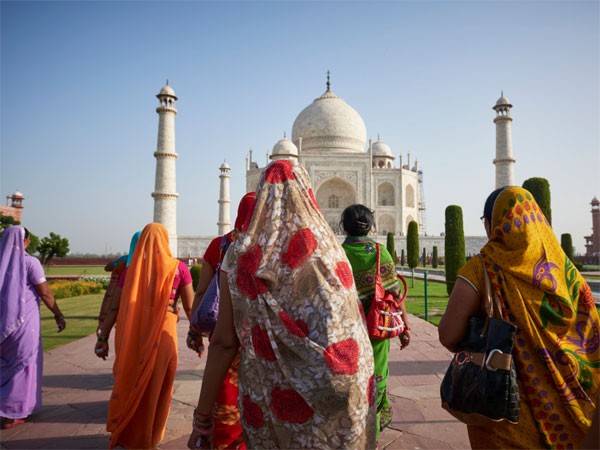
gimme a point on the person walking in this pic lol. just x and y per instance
(288, 303)
(357, 222)
(22, 285)
(556, 348)
(145, 341)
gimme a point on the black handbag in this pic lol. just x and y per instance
(480, 386)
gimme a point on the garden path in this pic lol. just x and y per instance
(77, 385)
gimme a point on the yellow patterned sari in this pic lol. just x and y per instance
(557, 345)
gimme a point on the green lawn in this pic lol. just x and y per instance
(81, 314)
(75, 270)
(591, 277)
(437, 299)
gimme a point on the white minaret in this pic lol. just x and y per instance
(224, 222)
(504, 157)
(165, 197)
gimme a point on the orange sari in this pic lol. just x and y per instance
(146, 346)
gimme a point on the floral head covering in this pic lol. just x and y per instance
(557, 342)
(306, 367)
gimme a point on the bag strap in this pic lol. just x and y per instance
(378, 281)
(491, 303)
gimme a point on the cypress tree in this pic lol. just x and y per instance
(391, 246)
(402, 257)
(540, 189)
(424, 257)
(434, 257)
(412, 247)
(566, 242)
(454, 245)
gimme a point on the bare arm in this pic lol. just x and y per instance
(206, 274)
(464, 303)
(47, 297)
(187, 297)
(101, 348)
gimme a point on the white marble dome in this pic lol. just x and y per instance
(329, 124)
(381, 149)
(503, 101)
(284, 147)
(17, 194)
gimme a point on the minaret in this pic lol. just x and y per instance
(165, 197)
(224, 222)
(504, 157)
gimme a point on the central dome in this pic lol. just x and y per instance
(329, 124)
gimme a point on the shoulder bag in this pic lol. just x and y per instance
(480, 386)
(384, 320)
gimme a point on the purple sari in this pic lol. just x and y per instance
(20, 339)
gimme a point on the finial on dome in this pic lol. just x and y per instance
(284, 136)
(328, 82)
(167, 81)
(502, 93)
(378, 138)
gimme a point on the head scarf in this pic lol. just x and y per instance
(557, 342)
(141, 316)
(306, 371)
(13, 280)
(132, 245)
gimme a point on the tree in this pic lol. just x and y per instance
(454, 245)
(424, 257)
(52, 246)
(391, 246)
(402, 257)
(412, 247)
(540, 189)
(566, 242)
(434, 257)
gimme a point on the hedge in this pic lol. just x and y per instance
(454, 245)
(540, 189)
(566, 242)
(434, 257)
(65, 289)
(195, 272)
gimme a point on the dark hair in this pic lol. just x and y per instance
(357, 220)
(488, 209)
(26, 232)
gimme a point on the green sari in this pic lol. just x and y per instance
(362, 254)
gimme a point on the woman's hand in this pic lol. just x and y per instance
(404, 338)
(101, 350)
(201, 440)
(195, 342)
(61, 324)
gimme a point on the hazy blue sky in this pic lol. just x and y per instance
(78, 85)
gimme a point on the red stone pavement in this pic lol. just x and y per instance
(77, 385)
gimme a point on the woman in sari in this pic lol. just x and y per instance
(357, 221)
(145, 341)
(306, 364)
(22, 285)
(228, 429)
(556, 348)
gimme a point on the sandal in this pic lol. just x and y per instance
(14, 423)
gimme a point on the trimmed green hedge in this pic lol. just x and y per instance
(402, 257)
(412, 244)
(540, 189)
(566, 242)
(65, 289)
(454, 245)
(195, 273)
(391, 246)
(434, 257)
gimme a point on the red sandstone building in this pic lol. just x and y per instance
(592, 243)
(15, 209)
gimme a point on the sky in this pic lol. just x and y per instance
(78, 82)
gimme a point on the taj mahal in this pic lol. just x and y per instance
(329, 139)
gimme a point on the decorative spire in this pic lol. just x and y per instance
(167, 81)
(328, 82)
(502, 93)
(378, 138)
(284, 136)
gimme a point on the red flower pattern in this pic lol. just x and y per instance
(279, 171)
(314, 201)
(527, 207)
(519, 210)
(343, 272)
(247, 265)
(262, 344)
(342, 357)
(253, 415)
(586, 296)
(509, 214)
(290, 406)
(298, 328)
(301, 246)
(371, 390)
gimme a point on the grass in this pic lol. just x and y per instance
(437, 299)
(75, 270)
(591, 277)
(81, 314)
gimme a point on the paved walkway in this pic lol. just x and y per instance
(77, 386)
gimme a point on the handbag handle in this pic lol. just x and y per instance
(378, 282)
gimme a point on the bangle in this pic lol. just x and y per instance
(61, 317)
(199, 416)
(101, 339)
(407, 328)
